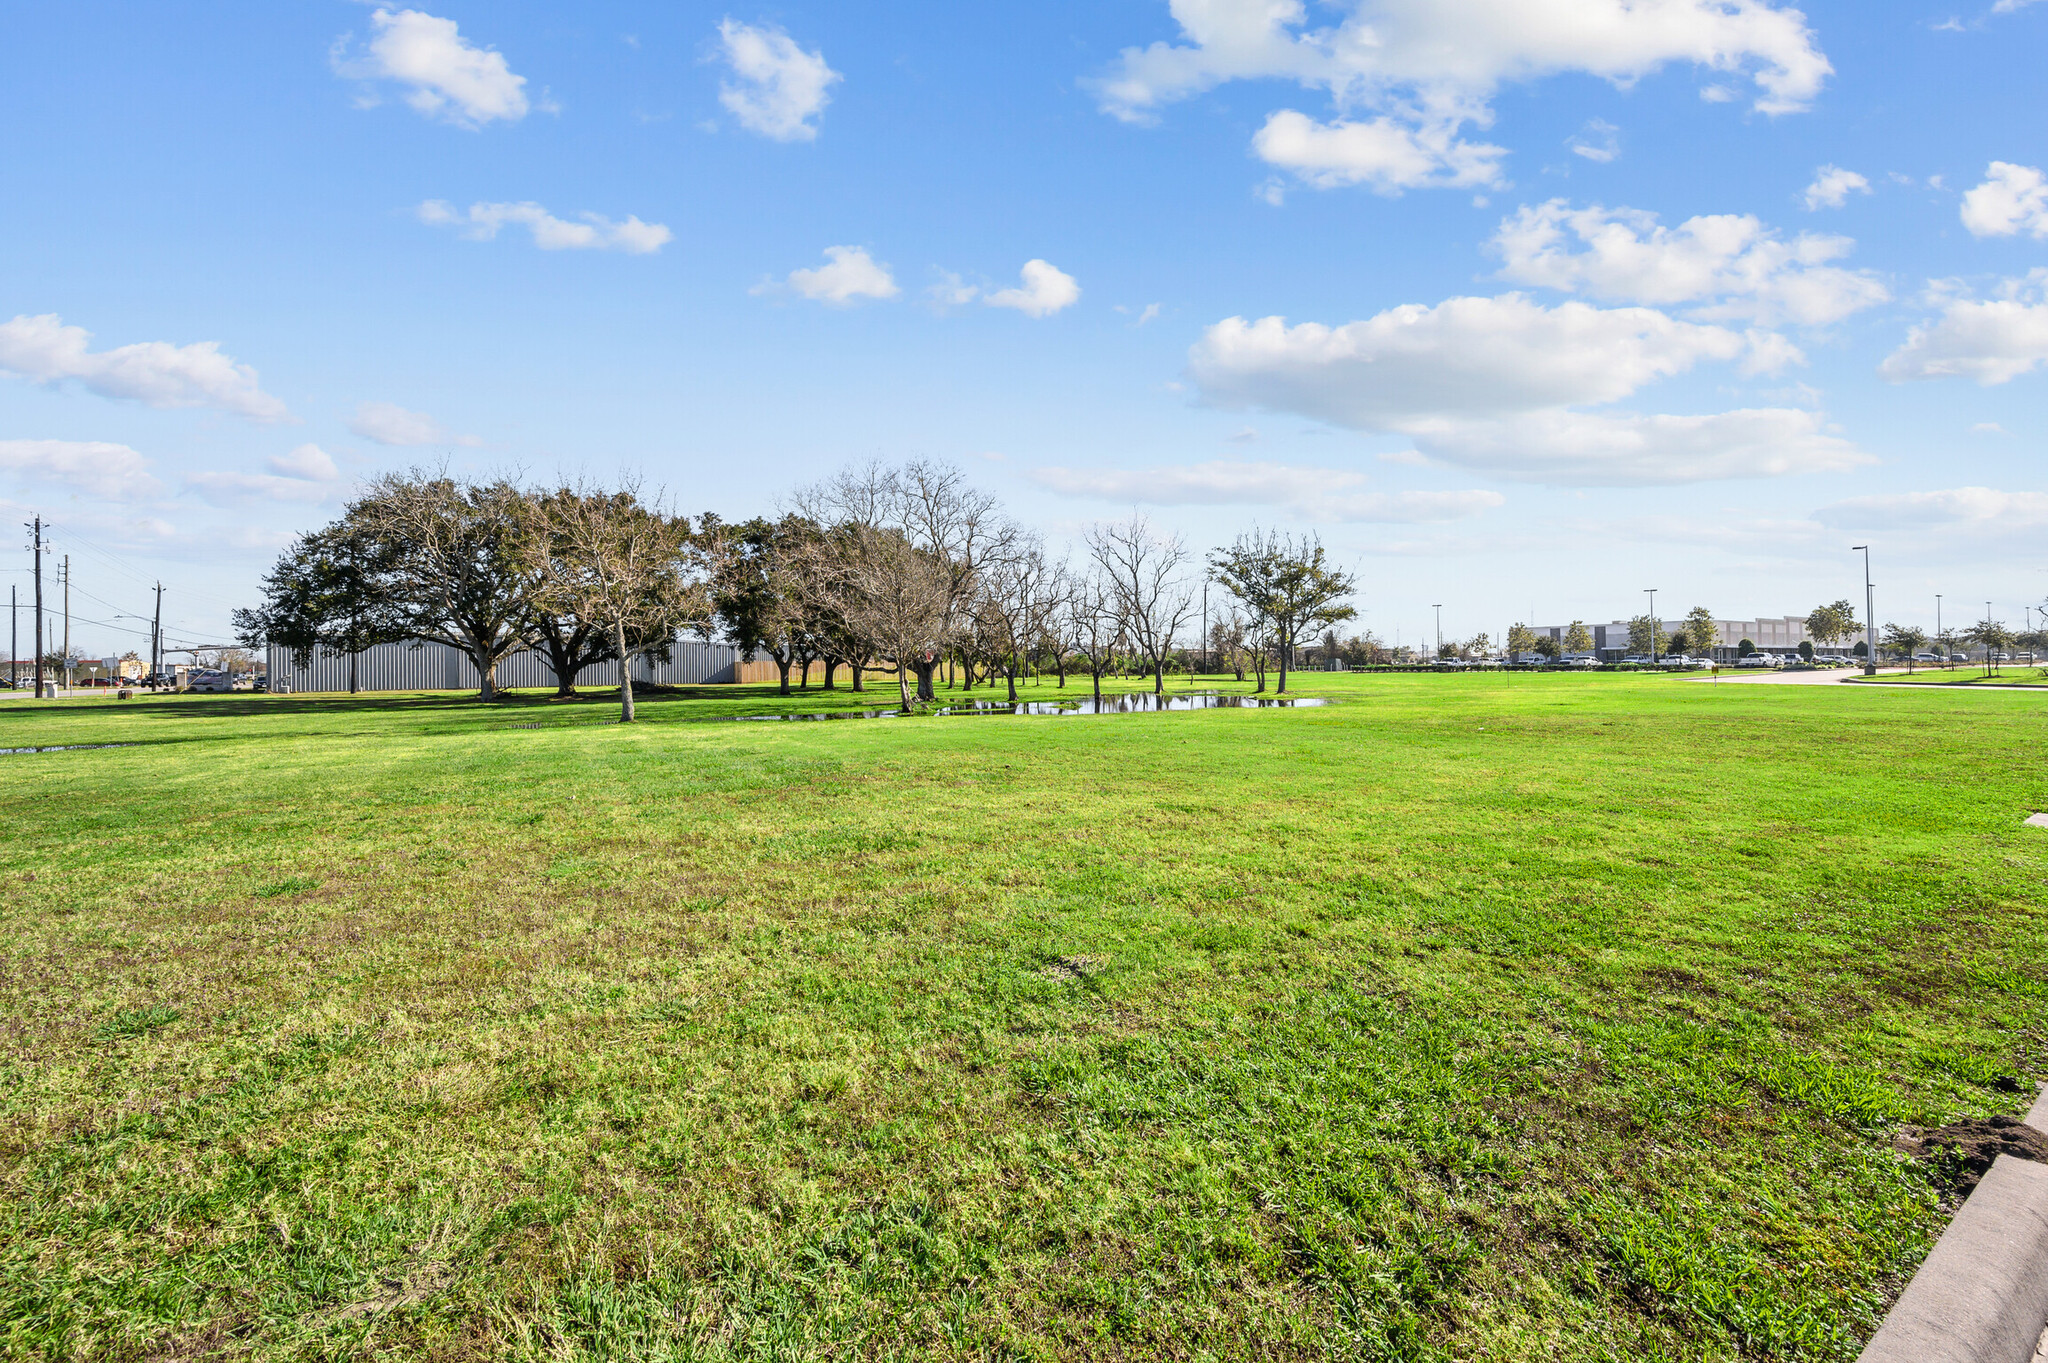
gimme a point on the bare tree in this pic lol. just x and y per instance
(923, 521)
(1094, 626)
(610, 558)
(895, 597)
(1143, 573)
(1020, 595)
(450, 563)
(958, 526)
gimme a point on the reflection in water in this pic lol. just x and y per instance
(64, 747)
(1133, 703)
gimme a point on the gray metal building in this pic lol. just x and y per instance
(438, 667)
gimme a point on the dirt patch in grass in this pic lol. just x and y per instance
(408, 1285)
(1961, 1153)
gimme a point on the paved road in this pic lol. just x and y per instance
(1767, 677)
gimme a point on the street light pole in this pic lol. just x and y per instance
(1653, 624)
(37, 564)
(1438, 607)
(1869, 615)
(1945, 659)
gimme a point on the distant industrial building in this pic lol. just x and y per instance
(1781, 635)
(437, 667)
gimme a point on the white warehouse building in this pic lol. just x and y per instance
(1781, 634)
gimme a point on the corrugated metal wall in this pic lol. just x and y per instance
(438, 667)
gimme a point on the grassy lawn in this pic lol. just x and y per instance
(1477, 1016)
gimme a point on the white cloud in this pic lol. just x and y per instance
(97, 468)
(1977, 511)
(2012, 199)
(950, 292)
(1434, 66)
(1379, 152)
(154, 373)
(851, 275)
(1728, 266)
(1988, 428)
(1148, 313)
(307, 461)
(594, 233)
(446, 77)
(1491, 384)
(1045, 290)
(1463, 357)
(387, 423)
(1313, 493)
(242, 489)
(1990, 340)
(1403, 508)
(780, 87)
(1597, 142)
(1586, 449)
(1832, 186)
(303, 475)
(2009, 6)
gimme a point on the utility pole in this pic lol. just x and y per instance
(67, 622)
(1869, 615)
(1653, 624)
(1438, 607)
(1945, 659)
(37, 529)
(156, 638)
(13, 635)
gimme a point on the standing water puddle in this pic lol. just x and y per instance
(63, 747)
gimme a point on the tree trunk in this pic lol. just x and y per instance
(1095, 675)
(1010, 672)
(1158, 676)
(625, 674)
(486, 669)
(925, 668)
(1286, 651)
(831, 666)
(782, 666)
(1059, 662)
(903, 684)
(854, 667)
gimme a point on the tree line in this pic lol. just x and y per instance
(899, 569)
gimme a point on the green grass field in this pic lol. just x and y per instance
(1477, 1016)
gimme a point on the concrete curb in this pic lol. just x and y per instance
(1982, 1294)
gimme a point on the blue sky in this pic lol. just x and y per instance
(1523, 305)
